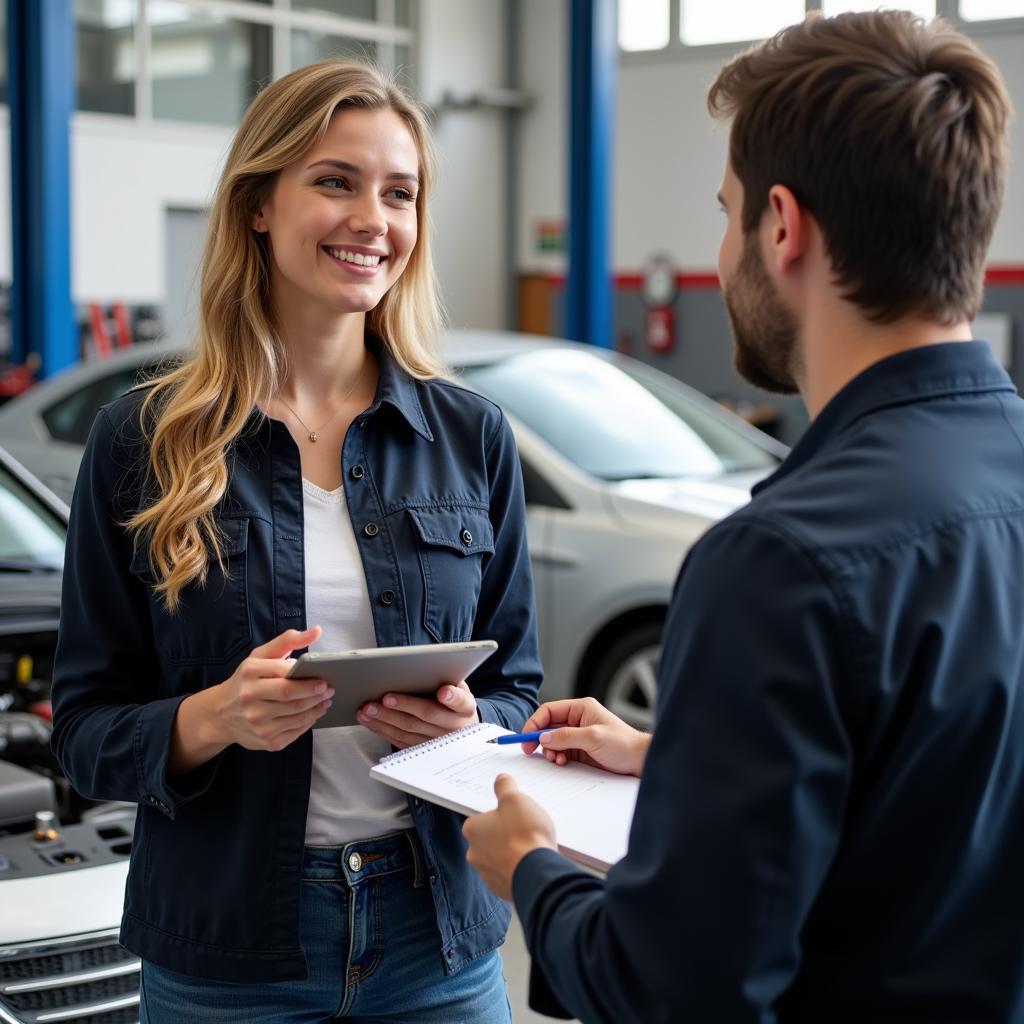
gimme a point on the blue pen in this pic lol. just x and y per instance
(520, 737)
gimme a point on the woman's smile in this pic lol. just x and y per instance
(355, 260)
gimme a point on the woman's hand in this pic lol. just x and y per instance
(406, 721)
(584, 730)
(258, 707)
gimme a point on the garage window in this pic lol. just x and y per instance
(652, 28)
(204, 60)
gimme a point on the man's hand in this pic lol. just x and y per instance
(584, 730)
(499, 839)
(406, 720)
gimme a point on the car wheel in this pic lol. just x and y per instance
(625, 678)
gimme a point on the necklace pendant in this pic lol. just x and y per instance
(312, 435)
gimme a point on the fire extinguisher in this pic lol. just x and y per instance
(659, 291)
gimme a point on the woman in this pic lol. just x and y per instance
(309, 464)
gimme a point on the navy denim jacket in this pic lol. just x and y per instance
(830, 826)
(434, 490)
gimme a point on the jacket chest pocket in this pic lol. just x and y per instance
(212, 622)
(453, 543)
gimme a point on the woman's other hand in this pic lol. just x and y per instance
(584, 730)
(406, 721)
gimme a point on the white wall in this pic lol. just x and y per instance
(123, 179)
(669, 154)
(1008, 53)
(462, 49)
(544, 129)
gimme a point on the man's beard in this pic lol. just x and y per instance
(764, 331)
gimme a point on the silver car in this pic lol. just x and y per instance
(624, 467)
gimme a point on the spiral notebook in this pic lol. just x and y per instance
(592, 809)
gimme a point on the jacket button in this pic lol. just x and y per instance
(355, 862)
(467, 538)
(357, 472)
(387, 597)
(433, 879)
(371, 529)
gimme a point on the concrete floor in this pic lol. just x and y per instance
(517, 973)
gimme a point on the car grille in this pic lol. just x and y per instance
(86, 980)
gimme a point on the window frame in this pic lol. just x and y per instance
(282, 21)
(677, 49)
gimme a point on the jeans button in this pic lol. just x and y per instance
(357, 472)
(467, 538)
(355, 862)
(387, 597)
(371, 529)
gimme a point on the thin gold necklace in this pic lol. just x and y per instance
(341, 405)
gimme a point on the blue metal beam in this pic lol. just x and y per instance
(41, 94)
(589, 294)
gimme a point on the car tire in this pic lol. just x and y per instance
(624, 678)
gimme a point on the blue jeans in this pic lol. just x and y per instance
(370, 937)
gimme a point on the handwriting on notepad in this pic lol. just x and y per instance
(533, 775)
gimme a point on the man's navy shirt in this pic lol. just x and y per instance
(434, 490)
(830, 826)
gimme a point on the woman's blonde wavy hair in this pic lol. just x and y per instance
(194, 413)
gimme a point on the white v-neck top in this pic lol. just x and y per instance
(344, 802)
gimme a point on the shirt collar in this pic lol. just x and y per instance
(397, 388)
(915, 375)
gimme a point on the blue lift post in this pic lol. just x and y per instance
(589, 296)
(40, 96)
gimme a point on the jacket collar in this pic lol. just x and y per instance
(919, 374)
(396, 388)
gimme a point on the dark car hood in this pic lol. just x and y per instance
(28, 601)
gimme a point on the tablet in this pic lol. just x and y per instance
(364, 675)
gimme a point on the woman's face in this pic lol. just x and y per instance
(342, 219)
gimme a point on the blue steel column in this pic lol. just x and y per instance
(41, 91)
(589, 298)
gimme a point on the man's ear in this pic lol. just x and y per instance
(786, 230)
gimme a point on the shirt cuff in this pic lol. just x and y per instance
(152, 749)
(529, 880)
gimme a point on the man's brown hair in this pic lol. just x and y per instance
(892, 132)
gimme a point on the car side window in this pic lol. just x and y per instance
(72, 417)
(62, 418)
(537, 490)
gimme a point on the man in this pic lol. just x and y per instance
(830, 826)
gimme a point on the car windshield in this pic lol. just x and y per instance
(31, 535)
(616, 421)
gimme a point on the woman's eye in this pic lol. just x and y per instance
(333, 182)
(402, 194)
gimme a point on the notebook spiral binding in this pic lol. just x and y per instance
(424, 748)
